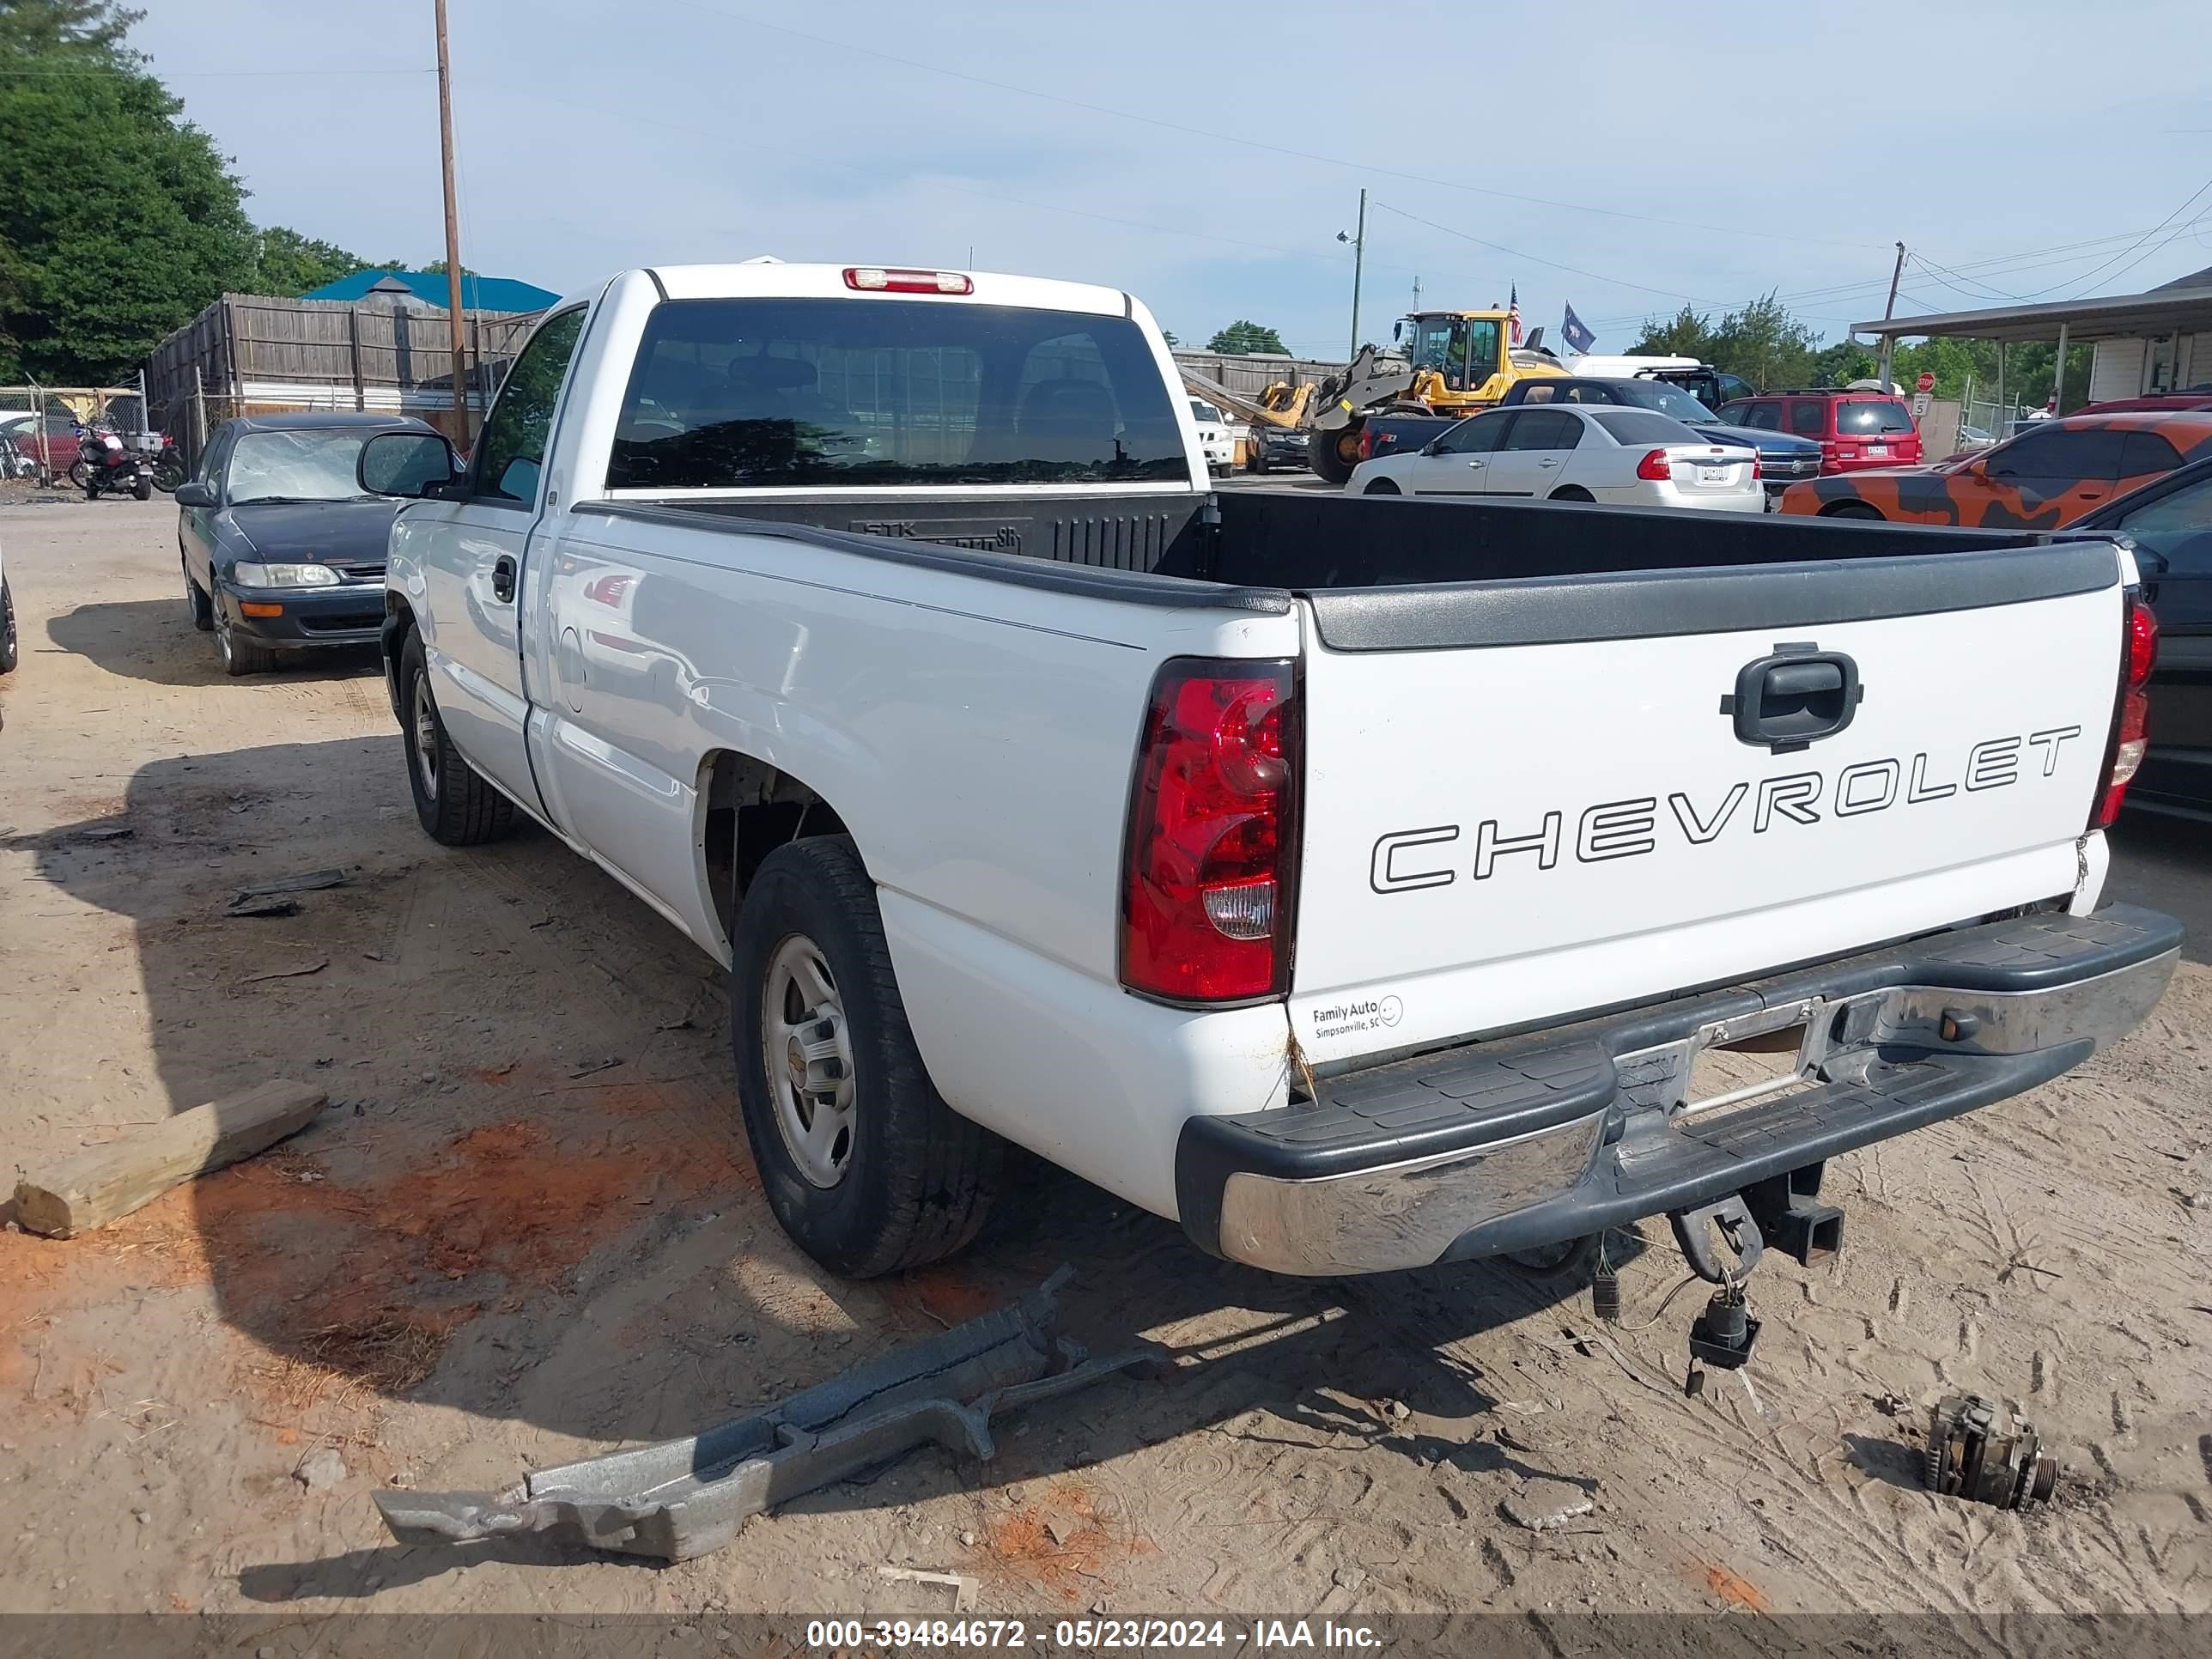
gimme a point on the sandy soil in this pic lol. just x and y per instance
(526, 1228)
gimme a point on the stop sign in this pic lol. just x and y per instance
(1925, 383)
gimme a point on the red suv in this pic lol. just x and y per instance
(1855, 429)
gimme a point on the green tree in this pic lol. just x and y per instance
(1684, 335)
(287, 265)
(1765, 344)
(1242, 336)
(118, 219)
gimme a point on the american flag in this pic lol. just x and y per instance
(1513, 313)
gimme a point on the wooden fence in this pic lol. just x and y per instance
(247, 354)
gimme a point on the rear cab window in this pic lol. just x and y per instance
(1808, 417)
(816, 392)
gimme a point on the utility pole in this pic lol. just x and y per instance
(1358, 241)
(1417, 296)
(1888, 341)
(452, 229)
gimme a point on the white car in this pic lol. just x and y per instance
(1215, 436)
(1572, 453)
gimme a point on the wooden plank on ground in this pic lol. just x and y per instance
(90, 1188)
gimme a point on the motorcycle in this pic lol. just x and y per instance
(169, 470)
(106, 464)
(14, 463)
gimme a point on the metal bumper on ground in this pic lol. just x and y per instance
(1520, 1142)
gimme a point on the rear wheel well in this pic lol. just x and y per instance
(1849, 510)
(752, 809)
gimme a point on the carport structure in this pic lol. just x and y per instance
(2156, 341)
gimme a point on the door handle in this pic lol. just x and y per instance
(1548, 462)
(1475, 463)
(1787, 700)
(502, 578)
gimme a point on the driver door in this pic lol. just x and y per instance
(1461, 465)
(469, 554)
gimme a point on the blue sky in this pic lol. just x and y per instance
(1625, 159)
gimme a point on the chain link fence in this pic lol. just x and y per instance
(40, 425)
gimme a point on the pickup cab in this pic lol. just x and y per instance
(1363, 883)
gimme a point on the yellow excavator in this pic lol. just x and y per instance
(1443, 363)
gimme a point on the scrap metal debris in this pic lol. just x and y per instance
(1979, 1450)
(300, 971)
(274, 899)
(683, 1498)
(964, 1588)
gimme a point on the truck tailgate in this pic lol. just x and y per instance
(1529, 799)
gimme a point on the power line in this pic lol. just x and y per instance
(1534, 259)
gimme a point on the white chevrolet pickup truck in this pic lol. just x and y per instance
(1362, 882)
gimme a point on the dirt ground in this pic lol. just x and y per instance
(526, 1228)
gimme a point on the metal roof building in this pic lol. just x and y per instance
(2155, 341)
(477, 293)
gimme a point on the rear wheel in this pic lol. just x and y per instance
(1851, 510)
(865, 1165)
(168, 473)
(1381, 487)
(1333, 454)
(9, 650)
(455, 805)
(143, 489)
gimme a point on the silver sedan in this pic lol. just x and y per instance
(1572, 453)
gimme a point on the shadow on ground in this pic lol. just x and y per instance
(154, 640)
(529, 1199)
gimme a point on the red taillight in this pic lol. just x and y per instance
(1754, 469)
(2131, 723)
(1366, 443)
(880, 279)
(1656, 467)
(1205, 902)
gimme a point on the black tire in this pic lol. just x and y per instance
(917, 1179)
(143, 489)
(1851, 510)
(1572, 493)
(1381, 487)
(1325, 453)
(10, 647)
(456, 807)
(240, 657)
(168, 473)
(197, 605)
(91, 492)
(80, 474)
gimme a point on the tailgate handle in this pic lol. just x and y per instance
(1789, 699)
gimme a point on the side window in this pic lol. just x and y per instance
(1478, 435)
(1543, 394)
(1808, 417)
(1545, 428)
(218, 452)
(2061, 456)
(2172, 522)
(2147, 453)
(1731, 387)
(1763, 417)
(511, 449)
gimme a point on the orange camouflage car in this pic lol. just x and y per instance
(2048, 477)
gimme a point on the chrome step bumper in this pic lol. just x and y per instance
(1533, 1140)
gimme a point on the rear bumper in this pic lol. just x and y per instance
(1531, 1140)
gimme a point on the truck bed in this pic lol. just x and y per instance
(1262, 547)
